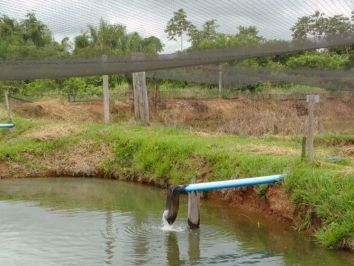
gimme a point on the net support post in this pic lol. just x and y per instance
(311, 100)
(7, 104)
(220, 81)
(141, 101)
(105, 94)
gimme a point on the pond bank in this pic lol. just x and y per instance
(162, 156)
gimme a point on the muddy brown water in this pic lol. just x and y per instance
(77, 221)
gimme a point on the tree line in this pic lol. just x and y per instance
(317, 26)
(30, 38)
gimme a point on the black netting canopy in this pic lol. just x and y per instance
(256, 40)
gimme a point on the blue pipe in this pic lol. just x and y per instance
(7, 125)
(242, 182)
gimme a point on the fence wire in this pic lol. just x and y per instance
(243, 76)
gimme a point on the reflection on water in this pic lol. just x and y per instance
(172, 249)
(193, 246)
(95, 222)
(109, 237)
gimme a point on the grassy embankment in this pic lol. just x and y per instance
(325, 188)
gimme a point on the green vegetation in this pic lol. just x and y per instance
(30, 38)
(113, 40)
(324, 189)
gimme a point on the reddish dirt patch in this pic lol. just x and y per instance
(275, 204)
(279, 202)
(3, 168)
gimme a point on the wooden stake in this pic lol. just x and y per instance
(311, 99)
(303, 148)
(193, 208)
(141, 102)
(156, 94)
(6, 94)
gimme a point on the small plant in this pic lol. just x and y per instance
(226, 94)
(262, 190)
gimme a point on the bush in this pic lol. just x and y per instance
(318, 60)
(72, 86)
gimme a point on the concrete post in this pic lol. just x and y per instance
(7, 104)
(105, 94)
(220, 80)
(311, 99)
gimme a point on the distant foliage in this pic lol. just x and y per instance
(113, 39)
(318, 26)
(318, 60)
(30, 38)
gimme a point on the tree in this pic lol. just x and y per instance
(134, 42)
(106, 38)
(152, 45)
(318, 26)
(249, 34)
(208, 32)
(177, 25)
(8, 26)
(245, 36)
(66, 44)
(35, 31)
(81, 42)
(28, 39)
(113, 39)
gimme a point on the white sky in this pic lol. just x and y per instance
(273, 18)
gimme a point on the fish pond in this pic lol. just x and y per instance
(81, 221)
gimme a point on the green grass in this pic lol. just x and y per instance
(174, 155)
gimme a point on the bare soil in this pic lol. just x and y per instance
(237, 116)
(275, 204)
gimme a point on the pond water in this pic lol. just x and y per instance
(77, 221)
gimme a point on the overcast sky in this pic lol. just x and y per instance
(273, 18)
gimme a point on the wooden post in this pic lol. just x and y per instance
(156, 94)
(220, 80)
(303, 148)
(193, 208)
(105, 94)
(311, 99)
(7, 104)
(141, 102)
